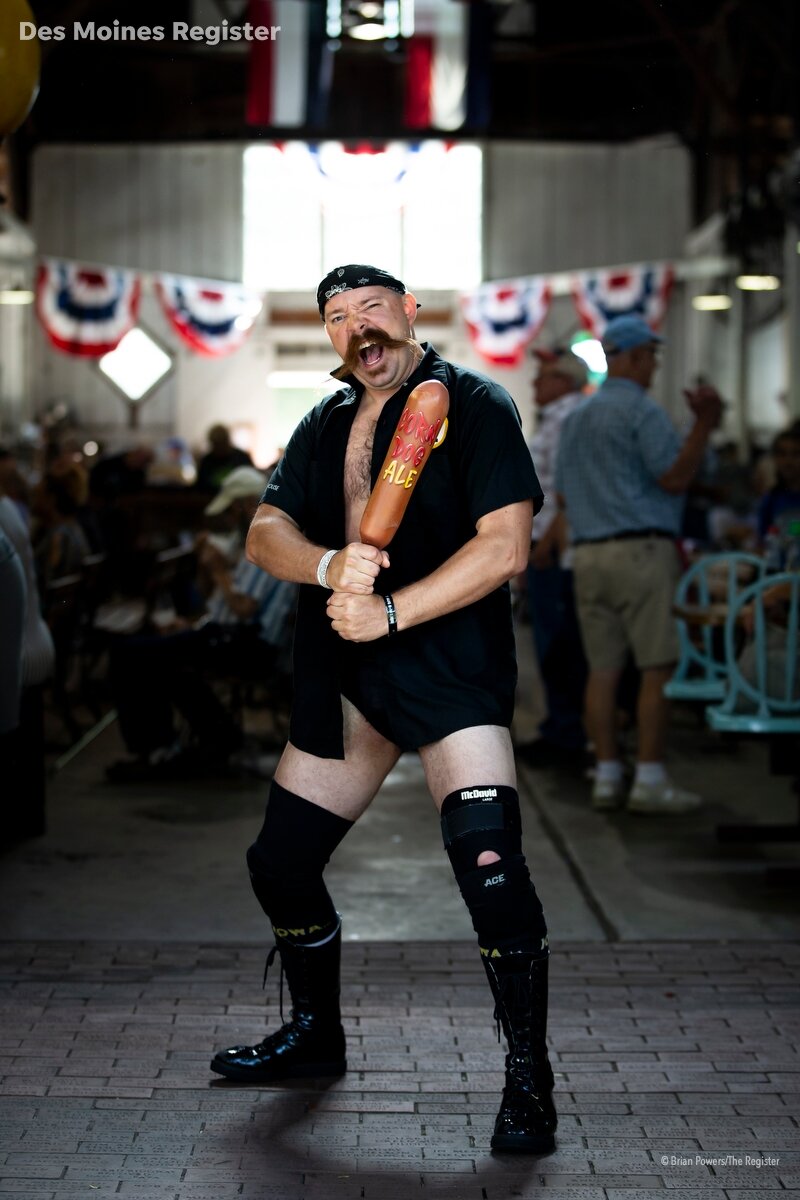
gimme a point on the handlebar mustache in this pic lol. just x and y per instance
(352, 358)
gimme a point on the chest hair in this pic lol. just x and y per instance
(358, 460)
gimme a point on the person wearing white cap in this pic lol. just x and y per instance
(622, 472)
(242, 484)
(245, 625)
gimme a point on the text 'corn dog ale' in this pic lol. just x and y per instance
(421, 428)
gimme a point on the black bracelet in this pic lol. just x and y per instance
(391, 615)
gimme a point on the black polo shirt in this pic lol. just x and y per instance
(459, 669)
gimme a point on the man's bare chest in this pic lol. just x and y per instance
(358, 460)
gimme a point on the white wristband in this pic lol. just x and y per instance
(322, 569)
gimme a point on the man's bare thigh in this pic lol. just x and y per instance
(343, 786)
(480, 754)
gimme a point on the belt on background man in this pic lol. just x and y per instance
(626, 535)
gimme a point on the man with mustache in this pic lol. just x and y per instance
(410, 649)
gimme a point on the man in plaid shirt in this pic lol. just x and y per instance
(558, 390)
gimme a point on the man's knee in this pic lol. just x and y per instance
(297, 835)
(478, 822)
(482, 834)
(287, 859)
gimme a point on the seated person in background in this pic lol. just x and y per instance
(731, 517)
(60, 543)
(173, 464)
(119, 478)
(775, 601)
(780, 506)
(246, 624)
(14, 484)
(122, 474)
(222, 458)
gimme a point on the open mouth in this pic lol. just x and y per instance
(370, 354)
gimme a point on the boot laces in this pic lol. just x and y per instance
(267, 965)
(513, 993)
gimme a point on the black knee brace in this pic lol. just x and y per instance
(506, 912)
(286, 862)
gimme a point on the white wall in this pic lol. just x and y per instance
(744, 351)
(17, 271)
(561, 207)
(766, 380)
(158, 208)
(16, 359)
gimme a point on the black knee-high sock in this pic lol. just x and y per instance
(286, 863)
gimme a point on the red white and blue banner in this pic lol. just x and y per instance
(211, 317)
(366, 164)
(289, 77)
(504, 318)
(86, 311)
(277, 69)
(436, 70)
(641, 291)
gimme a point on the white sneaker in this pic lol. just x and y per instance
(608, 794)
(662, 797)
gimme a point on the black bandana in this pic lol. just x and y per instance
(354, 275)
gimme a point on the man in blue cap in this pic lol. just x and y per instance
(622, 474)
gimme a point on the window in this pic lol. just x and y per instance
(414, 209)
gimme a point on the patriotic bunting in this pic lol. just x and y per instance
(367, 164)
(212, 318)
(86, 311)
(642, 291)
(503, 318)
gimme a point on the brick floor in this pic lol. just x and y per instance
(677, 1069)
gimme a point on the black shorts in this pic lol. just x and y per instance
(411, 717)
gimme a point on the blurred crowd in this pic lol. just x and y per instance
(125, 586)
(77, 500)
(131, 588)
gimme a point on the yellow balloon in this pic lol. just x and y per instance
(19, 66)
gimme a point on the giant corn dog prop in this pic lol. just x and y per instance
(421, 428)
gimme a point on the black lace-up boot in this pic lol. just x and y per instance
(526, 1122)
(312, 1042)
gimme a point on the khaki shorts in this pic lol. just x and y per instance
(624, 592)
